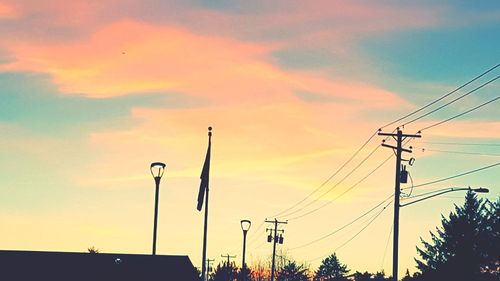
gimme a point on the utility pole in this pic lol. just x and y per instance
(273, 236)
(283, 259)
(228, 258)
(399, 137)
(209, 269)
(229, 271)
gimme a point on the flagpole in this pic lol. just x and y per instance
(204, 276)
(205, 236)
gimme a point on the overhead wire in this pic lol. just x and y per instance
(461, 114)
(387, 245)
(458, 152)
(452, 101)
(455, 176)
(442, 97)
(342, 227)
(362, 229)
(335, 185)
(343, 193)
(328, 180)
(372, 219)
(461, 143)
(391, 123)
(386, 125)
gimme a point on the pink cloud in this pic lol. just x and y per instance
(132, 57)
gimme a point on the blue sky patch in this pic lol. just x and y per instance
(32, 101)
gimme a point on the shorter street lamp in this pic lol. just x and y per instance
(157, 170)
(245, 226)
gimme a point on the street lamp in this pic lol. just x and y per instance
(157, 170)
(443, 191)
(429, 195)
(245, 226)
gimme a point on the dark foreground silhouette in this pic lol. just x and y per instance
(55, 266)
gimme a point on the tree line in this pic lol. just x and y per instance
(466, 247)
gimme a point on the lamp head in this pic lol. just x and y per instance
(157, 169)
(481, 190)
(245, 225)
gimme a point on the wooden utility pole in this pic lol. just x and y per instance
(399, 137)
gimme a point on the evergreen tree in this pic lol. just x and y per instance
(245, 274)
(366, 276)
(380, 276)
(331, 270)
(461, 249)
(225, 272)
(491, 240)
(293, 272)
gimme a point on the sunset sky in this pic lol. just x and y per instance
(92, 92)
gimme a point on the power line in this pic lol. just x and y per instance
(362, 229)
(456, 176)
(386, 246)
(458, 152)
(461, 114)
(461, 143)
(254, 237)
(343, 193)
(452, 101)
(343, 227)
(328, 180)
(359, 232)
(280, 214)
(335, 185)
(441, 98)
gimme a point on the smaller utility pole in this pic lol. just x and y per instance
(229, 270)
(273, 236)
(209, 269)
(228, 258)
(398, 149)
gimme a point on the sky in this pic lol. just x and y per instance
(92, 92)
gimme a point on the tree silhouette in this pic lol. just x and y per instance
(331, 270)
(245, 274)
(365, 276)
(380, 276)
(93, 250)
(293, 272)
(225, 272)
(466, 246)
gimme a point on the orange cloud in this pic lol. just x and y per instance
(8, 11)
(132, 57)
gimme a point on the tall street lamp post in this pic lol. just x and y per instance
(157, 170)
(245, 226)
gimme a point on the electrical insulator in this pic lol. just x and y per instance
(269, 238)
(281, 239)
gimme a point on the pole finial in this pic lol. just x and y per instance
(210, 131)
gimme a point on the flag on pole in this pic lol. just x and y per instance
(205, 173)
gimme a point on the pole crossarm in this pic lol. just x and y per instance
(393, 147)
(403, 135)
(229, 257)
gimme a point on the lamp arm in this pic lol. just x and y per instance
(434, 195)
